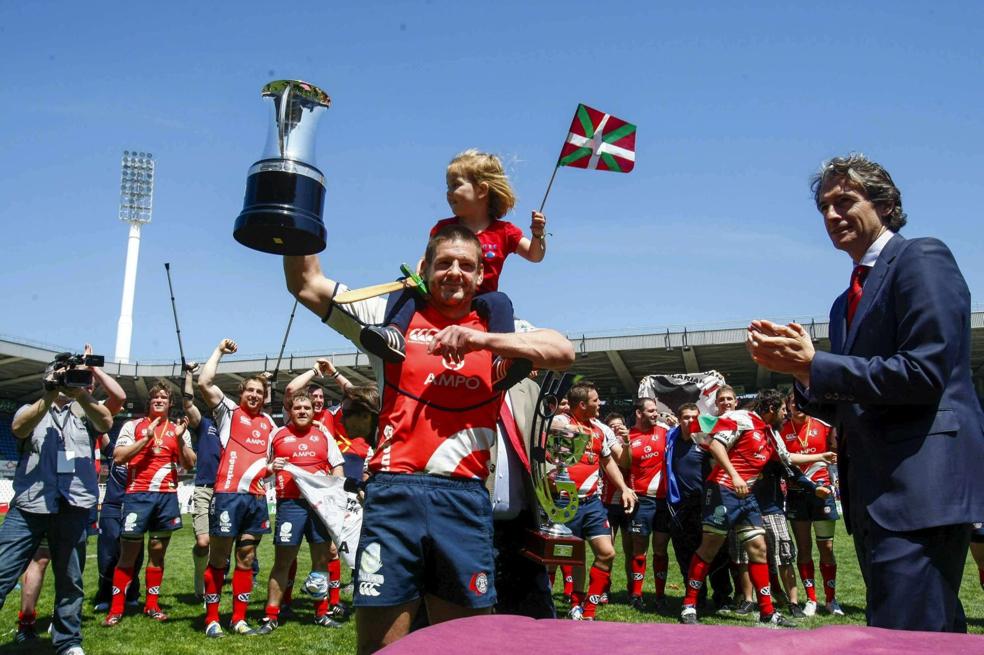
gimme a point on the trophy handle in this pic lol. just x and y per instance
(544, 494)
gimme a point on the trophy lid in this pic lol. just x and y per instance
(299, 88)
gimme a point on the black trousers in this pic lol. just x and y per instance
(686, 532)
(912, 578)
(521, 585)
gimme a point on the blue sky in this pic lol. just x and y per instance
(736, 107)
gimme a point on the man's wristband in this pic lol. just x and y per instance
(187, 396)
(335, 374)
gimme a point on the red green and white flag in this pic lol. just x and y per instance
(599, 140)
(734, 421)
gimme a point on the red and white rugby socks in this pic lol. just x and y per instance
(568, 571)
(638, 575)
(272, 612)
(242, 588)
(122, 577)
(807, 573)
(214, 578)
(759, 573)
(829, 573)
(154, 577)
(334, 581)
(660, 566)
(321, 607)
(696, 574)
(597, 579)
(577, 598)
(289, 591)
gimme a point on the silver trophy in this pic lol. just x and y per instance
(285, 191)
(554, 447)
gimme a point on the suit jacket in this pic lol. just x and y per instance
(523, 396)
(897, 385)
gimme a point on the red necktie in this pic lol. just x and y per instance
(854, 292)
(512, 431)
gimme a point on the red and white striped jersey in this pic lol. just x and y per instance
(245, 447)
(312, 450)
(811, 438)
(438, 417)
(155, 467)
(648, 470)
(586, 474)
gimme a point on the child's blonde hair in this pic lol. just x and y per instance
(480, 167)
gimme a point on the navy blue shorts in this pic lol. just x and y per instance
(231, 515)
(617, 517)
(150, 511)
(425, 534)
(650, 515)
(296, 519)
(802, 506)
(591, 519)
(724, 510)
(977, 533)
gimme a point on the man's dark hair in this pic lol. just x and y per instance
(363, 399)
(580, 391)
(451, 233)
(640, 403)
(612, 416)
(867, 176)
(687, 407)
(767, 400)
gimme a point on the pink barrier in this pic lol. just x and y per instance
(514, 635)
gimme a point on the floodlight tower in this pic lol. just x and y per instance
(136, 207)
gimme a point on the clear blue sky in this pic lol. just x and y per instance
(736, 107)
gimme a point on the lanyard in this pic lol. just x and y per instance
(60, 426)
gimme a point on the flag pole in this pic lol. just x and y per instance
(549, 184)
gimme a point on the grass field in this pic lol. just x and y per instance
(183, 634)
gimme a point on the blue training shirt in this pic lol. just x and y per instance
(688, 467)
(208, 448)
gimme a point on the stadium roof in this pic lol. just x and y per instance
(614, 363)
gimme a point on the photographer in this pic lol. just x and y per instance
(54, 490)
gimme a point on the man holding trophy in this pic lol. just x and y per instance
(426, 505)
(427, 526)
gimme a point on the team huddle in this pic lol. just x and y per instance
(702, 482)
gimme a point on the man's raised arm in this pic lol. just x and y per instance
(210, 392)
(308, 284)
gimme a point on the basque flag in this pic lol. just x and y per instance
(599, 140)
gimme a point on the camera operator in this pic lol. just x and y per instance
(54, 491)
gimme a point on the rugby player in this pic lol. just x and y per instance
(436, 428)
(646, 456)
(591, 521)
(305, 444)
(806, 434)
(239, 506)
(742, 444)
(152, 448)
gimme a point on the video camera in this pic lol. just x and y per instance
(71, 370)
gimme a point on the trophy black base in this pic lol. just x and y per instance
(282, 214)
(549, 550)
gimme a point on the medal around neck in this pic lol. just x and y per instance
(285, 190)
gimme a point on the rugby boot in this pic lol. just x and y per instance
(776, 620)
(266, 627)
(214, 631)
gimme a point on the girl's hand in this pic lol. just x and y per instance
(538, 224)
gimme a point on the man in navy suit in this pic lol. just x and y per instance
(897, 385)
